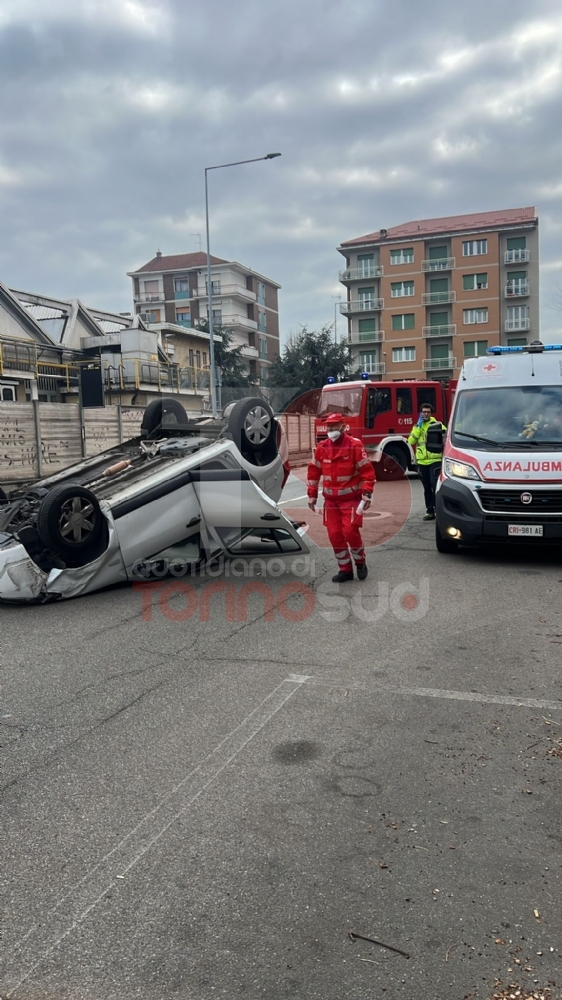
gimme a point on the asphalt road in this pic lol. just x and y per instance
(204, 808)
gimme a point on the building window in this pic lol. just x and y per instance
(8, 394)
(262, 321)
(516, 341)
(181, 285)
(367, 359)
(438, 319)
(217, 317)
(439, 352)
(404, 321)
(365, 265)
(261, 292)
(517, 282)
(517, 243)
(263, 347)
(517, 318)
(367, 326)
(475, 348)
(366, 298)
(215, 286)
(197, 359)
(403, 256)
(400, 288)
(191, 359)
(204, 359)
(183, 316)
(152, 289)
(473, 248)
(403, 354)
(470, 316)
(470, 282)
(438, 253)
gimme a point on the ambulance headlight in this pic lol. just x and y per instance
(459, 470)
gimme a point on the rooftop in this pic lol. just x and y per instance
(177, 262)
(448, 224)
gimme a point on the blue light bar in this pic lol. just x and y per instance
(553, 347)
(330, 380)
(505, 350)
(365, 375)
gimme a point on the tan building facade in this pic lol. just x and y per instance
(173, 290)
(423, 296)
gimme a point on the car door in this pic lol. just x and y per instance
(162, 522)
(240, 519)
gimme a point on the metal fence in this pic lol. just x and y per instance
(39, 439)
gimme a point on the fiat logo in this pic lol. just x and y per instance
(526, 498)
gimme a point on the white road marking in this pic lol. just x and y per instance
(491, 699)
(72, 908)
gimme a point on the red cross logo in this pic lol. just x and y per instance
(489, 367)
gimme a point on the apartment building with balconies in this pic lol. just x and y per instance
(423, 296)
(172, 290)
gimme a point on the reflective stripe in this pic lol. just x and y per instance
(342, 479)
(314, 461)
(348, 489)
(364, 461)
(312, 482)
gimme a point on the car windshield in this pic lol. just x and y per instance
(344, 401)
(518, 417)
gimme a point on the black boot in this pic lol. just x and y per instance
(362, 571)
(343, 576)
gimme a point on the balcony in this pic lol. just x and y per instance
(432, 364)
(361, 305)
(516, 256)
(375, 367)
(249, 352)
(183, 294)
(523, 323)
(517, 289)
(144, 297)
(439, 264)
(369, 337)
(137, 373)
(183, 322)
(448, 330)
(361, 273)
(236, 291)
(438, 298)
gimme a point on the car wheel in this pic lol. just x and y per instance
(392, 465)
(445, 545)
(70, 524)
(166, 412)
(251, 424)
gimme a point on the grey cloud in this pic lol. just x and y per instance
(108, 130)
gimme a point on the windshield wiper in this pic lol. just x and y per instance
(478, 437)
(533, 443)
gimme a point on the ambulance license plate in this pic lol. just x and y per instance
(527, 530)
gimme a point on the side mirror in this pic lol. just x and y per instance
(434, 439)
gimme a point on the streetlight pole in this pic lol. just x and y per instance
(212, 370)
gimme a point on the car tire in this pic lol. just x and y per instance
(392, 465)
(445, 545)
(252, 424)
(71, 525)
(165, 412)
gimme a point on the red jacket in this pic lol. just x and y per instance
(344, 467)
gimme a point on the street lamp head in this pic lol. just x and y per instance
(271, 156)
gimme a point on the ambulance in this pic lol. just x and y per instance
(501, 478)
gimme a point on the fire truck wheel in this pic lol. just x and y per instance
(392, 465)
(445, 545)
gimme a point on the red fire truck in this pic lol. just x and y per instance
(382, 414)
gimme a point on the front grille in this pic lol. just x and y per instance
(543, 501)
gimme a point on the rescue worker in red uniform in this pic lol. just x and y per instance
(348, 479)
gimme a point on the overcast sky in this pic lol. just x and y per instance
(384, 111)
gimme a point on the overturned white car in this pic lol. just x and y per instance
(185, 492)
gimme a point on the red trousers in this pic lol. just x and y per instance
(343, 526)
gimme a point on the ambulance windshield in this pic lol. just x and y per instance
(344, 401)
(526, 417)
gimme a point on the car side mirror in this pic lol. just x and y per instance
(434, 439)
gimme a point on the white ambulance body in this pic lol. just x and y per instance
(501, 479)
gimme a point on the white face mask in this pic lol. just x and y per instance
(334, 435)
